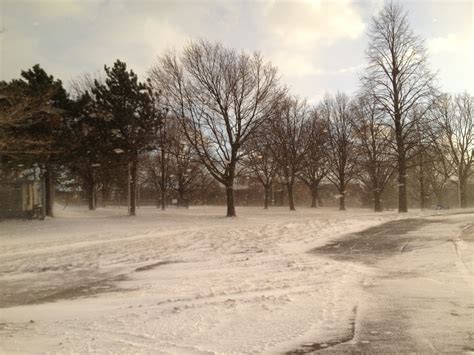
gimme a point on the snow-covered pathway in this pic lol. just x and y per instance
(178, 281)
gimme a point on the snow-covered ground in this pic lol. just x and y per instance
(179, 281)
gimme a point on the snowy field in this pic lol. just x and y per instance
(179, 281)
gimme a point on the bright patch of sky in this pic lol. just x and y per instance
(318, 45)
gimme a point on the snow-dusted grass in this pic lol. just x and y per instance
(191, 281)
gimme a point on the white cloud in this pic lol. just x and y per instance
(452, 56)
(350, 69)
(302, 23)
(450, 43)
(161, 36)
(317, 44)
(292, 64)
(63, 8)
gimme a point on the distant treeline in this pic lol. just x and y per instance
(211, 123)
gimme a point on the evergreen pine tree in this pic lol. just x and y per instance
(127, 111)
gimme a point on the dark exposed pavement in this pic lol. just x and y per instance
(420, 296)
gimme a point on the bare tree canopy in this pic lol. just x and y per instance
(84, 83)
(316, 160)
(260, 162)
(399, 77)
(174, 166)
(453, 136)
(288, 138)
(222, 97)
(373, 146)
(341, 144)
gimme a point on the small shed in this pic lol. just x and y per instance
(21, 193)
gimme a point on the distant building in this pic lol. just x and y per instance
(21, 190)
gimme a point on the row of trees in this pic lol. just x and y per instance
(210, 113)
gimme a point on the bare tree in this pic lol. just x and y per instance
(157, 171)
(373, 147)
(185, 167)
(260, 162)
(453, 135)
(316, 161)
(222, 97)
(206, 185)
(422, 167)
(164, 161)
(438, 179)
(420, 160)
(341, 143)
(84, 83)
(288, 137)
(400, 79)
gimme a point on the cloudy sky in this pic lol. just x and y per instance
(318, 45)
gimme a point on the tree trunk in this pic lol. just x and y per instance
(163, 198)
(272, 192)
(90, 187)
(377, 202)
(105, 195)
(163, 171)
(291, 200)
(314, 197)
(267, 197)
(422, 194)
(132, 176)
(49, 190)
(91, 196)
(181, 193)
(402, 185)
(229, 184)
(397, 117)
(463, 192)
(342, 195)
(439, 198)
(182, 197)
(402, 169)
(230, 200)
(422, 184)
(203, 195)
(342, 202)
